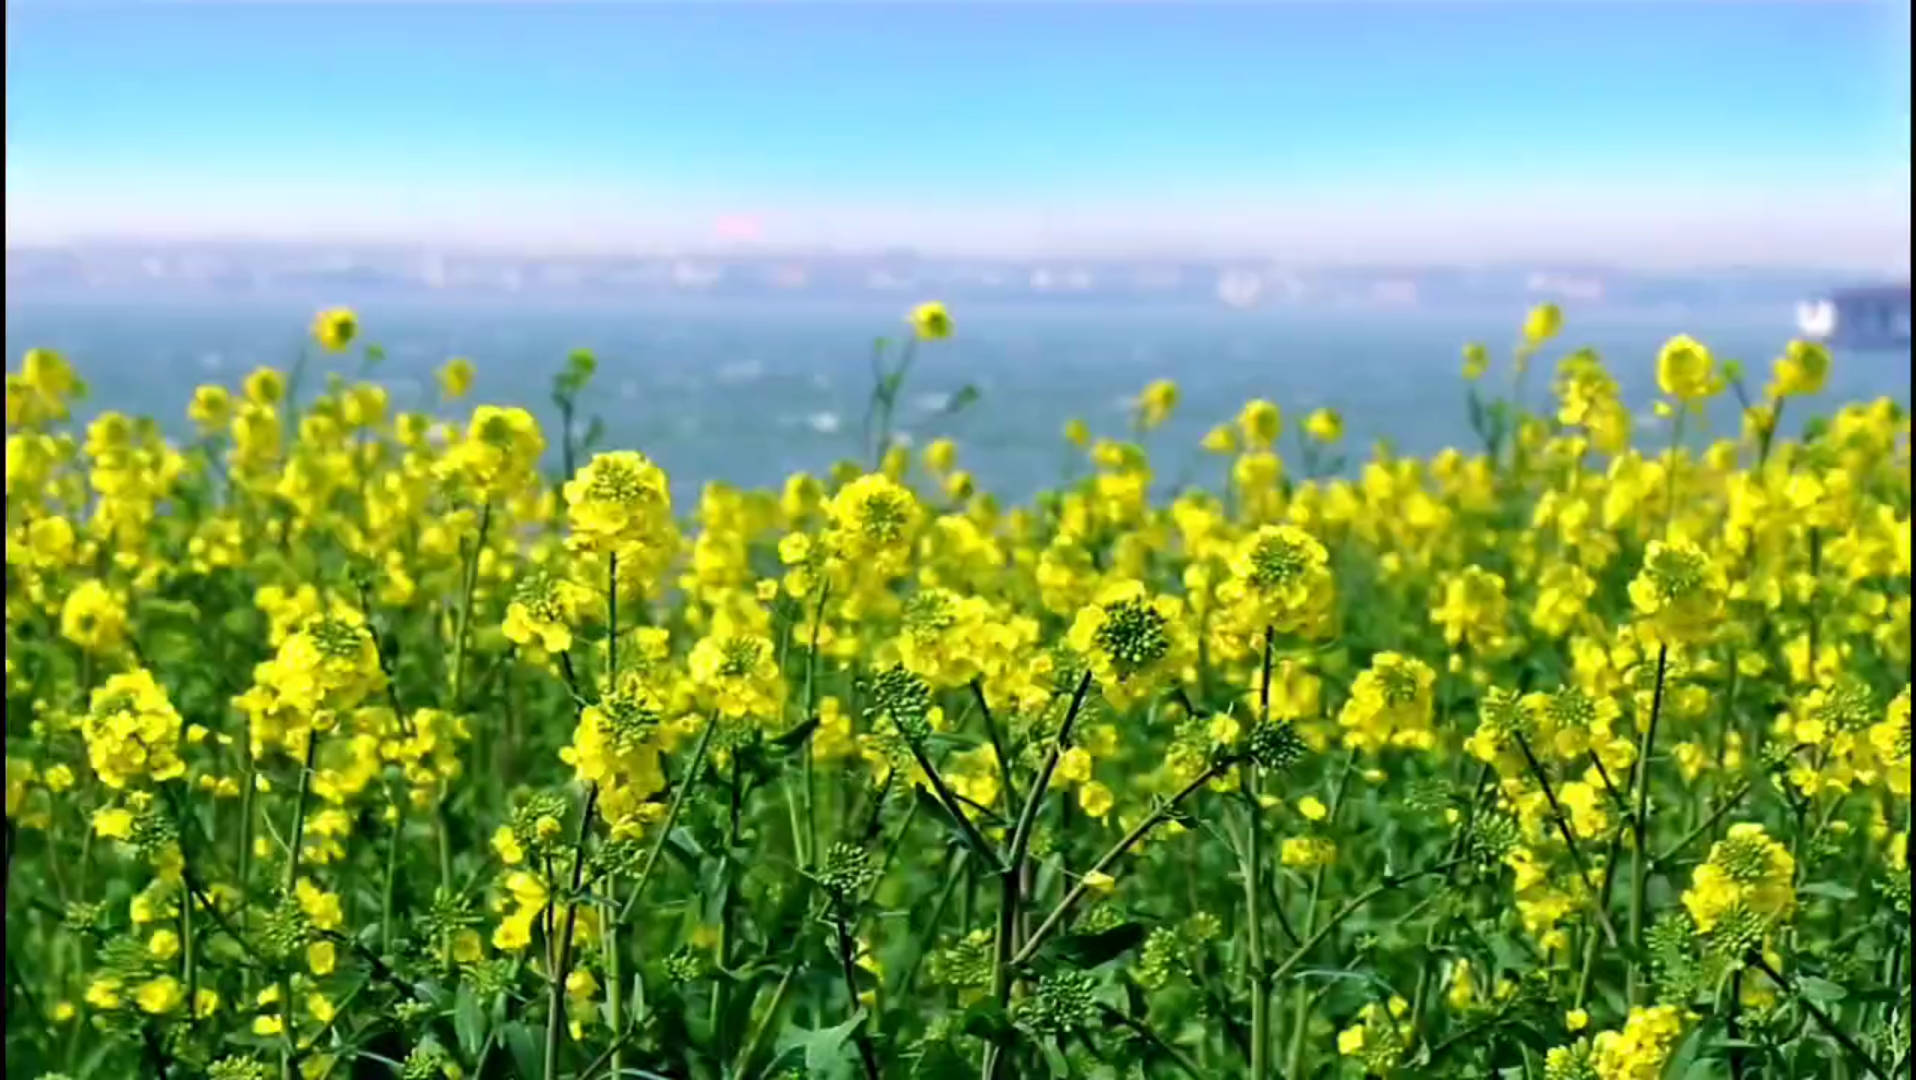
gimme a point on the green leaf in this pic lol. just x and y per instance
(798, 734)
(1829, 890)
(1097, 949)
(987, 1020)
(965, 398)
(824, 1048)
(468, 1021)
(1054, 1058)
(524, 1046)
(681, 846)
(1820, 990)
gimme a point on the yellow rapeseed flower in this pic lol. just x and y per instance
(1686, 370)
(335, 329)
(930, 321)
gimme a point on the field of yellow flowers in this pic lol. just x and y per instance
(343, 742)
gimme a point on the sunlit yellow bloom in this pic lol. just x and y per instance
(335, 329)
(930, 321)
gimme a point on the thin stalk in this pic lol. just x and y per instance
(949, 800)
(1301, 1000)
(295, 838)
(846, 949)
(1823, 1019)
(468, 585)
(953, 876)
(764, 1025)
(614, 976)
(1351, 907)
(810, 850)
(1432, 937)
(1723, 808)
(609, 937)
(1640, 830)
(1011, 875)
(189, 961)
(556, 991)
(392, 874)
(1142, 1030)
(997, 744)
(1253, 859)
(1588, 973)
(1732, 1024)
(1117, 851)
(244, 862)
(1563, 829)
(671, 819)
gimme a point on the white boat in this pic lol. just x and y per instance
(1816, 319)
(1874, 317)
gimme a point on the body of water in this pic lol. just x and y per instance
(748, 392)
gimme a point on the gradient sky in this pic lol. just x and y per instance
(1672, 132)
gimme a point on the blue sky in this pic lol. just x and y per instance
(1655, 132)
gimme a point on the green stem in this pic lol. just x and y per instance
(295, 838)
(1439, 930)
(1351, 907)
(1301, 999)
(1823, 1019)
(1253, 861)
(1012, 872)
(1586, 976)
(954, 875)
(1640, 830)
(847, 947)
(810, 851)
(468, 585)
(392, 873)
(189, 961)
(671, 819)
(998, 748)
(1722, 810)
(556, 991)
(244, 862)
(1117, 851)
(1563, 829)
(1142, 1030)
(614, 979)
(744, 1060)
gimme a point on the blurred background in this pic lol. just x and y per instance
(1316, 203)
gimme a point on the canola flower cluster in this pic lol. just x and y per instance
(345, 740)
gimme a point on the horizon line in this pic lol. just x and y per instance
(1093, 252)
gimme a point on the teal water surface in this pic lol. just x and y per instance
(748, 392)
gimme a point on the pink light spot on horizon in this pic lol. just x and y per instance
(739, 227)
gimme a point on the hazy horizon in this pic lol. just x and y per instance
(1638, 135)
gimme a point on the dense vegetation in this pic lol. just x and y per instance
(342, 742)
